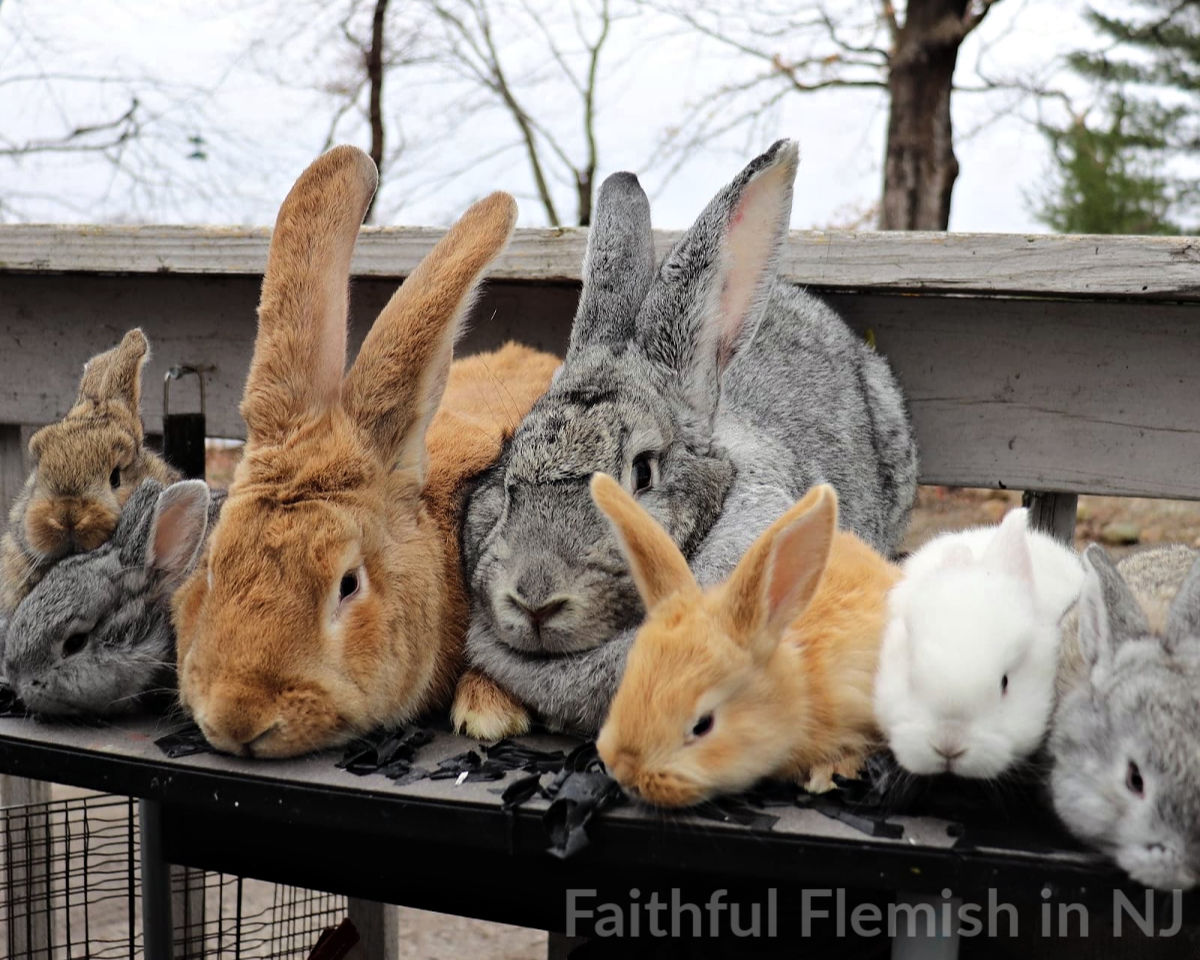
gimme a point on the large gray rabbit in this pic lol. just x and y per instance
(95, 634)
(717, 395)
(1126, 736)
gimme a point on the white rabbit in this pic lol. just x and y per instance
(966, 680)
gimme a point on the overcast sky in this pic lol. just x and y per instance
(246, 77)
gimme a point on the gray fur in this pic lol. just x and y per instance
(1135, 699)
(118, 597)
(743, 418)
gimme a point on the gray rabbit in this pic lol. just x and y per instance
(714, 392)
(1125, 742)
(94, 636)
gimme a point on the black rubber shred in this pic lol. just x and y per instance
(384, 750)
(520, 790)
(412, 775)
(578, 797)
(517, 756)
(10, 703)
(183, 742)
(471, 767)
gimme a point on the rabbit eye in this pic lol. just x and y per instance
(1134, 781)
(349, 585)
(703, 725)
(643, 472)
(1004, 685)
(74, 643)
(114, 478)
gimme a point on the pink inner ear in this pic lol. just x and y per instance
(797, 564)
(1009, 550)
(177, 533)
(750, 240)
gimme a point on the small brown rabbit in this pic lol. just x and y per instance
(768, 674)
(330, 598)
(85, 467)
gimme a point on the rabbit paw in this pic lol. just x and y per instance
(484, 711)
(820, 777)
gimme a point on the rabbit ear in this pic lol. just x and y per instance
(618, 266)
(956, 557)
(776, 579)
(1109, 613)
(300, 351)
(177, 529)
(712, 289)
(116, 374)
(396, 384)
(1183, 621)
(658, 568)
(1009, 550)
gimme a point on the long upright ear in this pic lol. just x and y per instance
(1008, 552)
(618, 266)
(775, 581)
(396, 384)
(1183, 621)
(712, 289)
(300, 351)
(177, 530)
(658, 568)
(1109, 613)
(116, 374)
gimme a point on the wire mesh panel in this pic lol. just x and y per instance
(70, 872)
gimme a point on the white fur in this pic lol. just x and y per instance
(974, 606)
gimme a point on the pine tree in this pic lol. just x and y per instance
(1126, 172)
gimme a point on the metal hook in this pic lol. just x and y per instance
(175, 373)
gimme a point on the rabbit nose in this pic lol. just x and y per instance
(540, 613)
(948, 751)
(624, 765)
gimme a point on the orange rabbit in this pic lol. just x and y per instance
(768, 674)
(330, 598)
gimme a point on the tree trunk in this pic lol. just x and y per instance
(375, 82)
(919, 166)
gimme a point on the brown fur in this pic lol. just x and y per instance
(783, 656)
(68, 504)
(343, 475)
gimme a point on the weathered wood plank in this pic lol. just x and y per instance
(983, 264)
(48, 328)
(12, 471)
(1025, 394)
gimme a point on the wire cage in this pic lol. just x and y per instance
(70, 890)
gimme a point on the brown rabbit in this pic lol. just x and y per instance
(330, 598)
(85, 467)
(768, 674)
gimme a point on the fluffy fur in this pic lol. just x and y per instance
(1126, 771)
(768, 674)
(330, 599)
(716, 393)
(967, 668)
(86, 467)
(95, 635)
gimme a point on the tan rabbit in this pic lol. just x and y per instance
(330, 598)
(769, 674)
(86, 466)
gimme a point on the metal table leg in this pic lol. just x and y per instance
(156, 883)
(926, 937)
